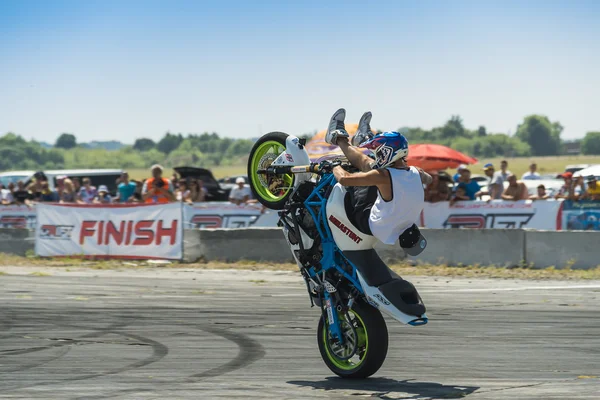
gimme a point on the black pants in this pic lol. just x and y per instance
(358, 203)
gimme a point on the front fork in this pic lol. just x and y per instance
(331, 308)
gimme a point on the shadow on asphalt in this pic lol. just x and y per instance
(385, 388)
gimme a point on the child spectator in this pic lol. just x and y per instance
(102, 197)
(87, 193)
(470, 187)
(459, 195)
(126, 189)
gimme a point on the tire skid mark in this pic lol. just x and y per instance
(250, 351)
(61, 353)
(97, 333)
(159, 351)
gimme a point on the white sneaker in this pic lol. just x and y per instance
(336, 128)
(364, 131)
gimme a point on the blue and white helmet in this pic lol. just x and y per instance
(387, 147)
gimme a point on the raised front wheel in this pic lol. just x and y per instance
(271, 191)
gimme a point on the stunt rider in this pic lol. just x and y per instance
(387, 195)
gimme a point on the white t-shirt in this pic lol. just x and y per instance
(531, 175)
(5, 194)
(389, 219)
(239, 194)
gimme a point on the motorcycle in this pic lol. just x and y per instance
(344, 276)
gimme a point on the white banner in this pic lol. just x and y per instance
(495, 214)
(132, 231)
(17, 217)
(226, 215)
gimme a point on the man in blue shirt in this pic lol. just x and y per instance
(126, 189)
(470, 187)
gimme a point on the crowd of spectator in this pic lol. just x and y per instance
(464, 188)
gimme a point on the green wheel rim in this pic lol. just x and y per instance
(363, 340)
(276, 148)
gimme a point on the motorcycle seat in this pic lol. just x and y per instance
(401, 293)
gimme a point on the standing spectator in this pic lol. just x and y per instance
(76, 184)
(157, 189)
(102, 197)
(471, 188)
(199, 192)
(183, 193)
(495, 183)
(531, 174)
(457, 175)
(87, 193)
(516, 190)
(241, 193)
(47, 195)
(6, 196)
(593, 189)
(437, 190)
(21, 195)
(126, 189)
(501, 176)
(68, 193)
(541, 194)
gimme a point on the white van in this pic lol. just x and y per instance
(98, 177)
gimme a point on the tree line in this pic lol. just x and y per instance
(537, 135)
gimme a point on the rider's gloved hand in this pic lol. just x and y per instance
(333, 136)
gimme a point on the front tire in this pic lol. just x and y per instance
(367, 327)
(271, 191)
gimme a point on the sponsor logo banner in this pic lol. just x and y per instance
(119, 231)
(17, 217)
(504, 215)
(226, 215)
(581, 215)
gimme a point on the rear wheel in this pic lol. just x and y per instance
(365, 343)
(270, 191)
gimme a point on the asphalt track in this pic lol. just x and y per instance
(176, 334)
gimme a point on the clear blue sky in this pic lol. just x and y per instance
(126, 69)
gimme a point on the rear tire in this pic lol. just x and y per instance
(371, 349)
(272, 192)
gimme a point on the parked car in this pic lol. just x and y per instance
(98, 177)
(215, 191)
